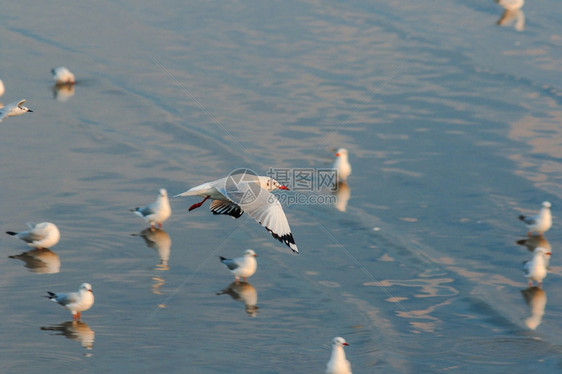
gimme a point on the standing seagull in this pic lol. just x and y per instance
(157, 212)
(539, 223)
(63, 76)
(338, 364)
(242, 267)
(232, 196)
(76, 302)
(341, 165)
(13, 109)
(535, 270)
(41, 235)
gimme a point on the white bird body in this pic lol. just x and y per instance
(2, 89)
(536, 268)
(13, 109)
(41, 235)
(242, 267)
(234, 197)
(338, 363)
(76, 302)
(342, 165)
(157, 212)
(62, 75)
(540, 223)
(511, 4)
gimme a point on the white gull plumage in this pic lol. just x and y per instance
(40, 235)
(13, 109)
(76, 302)
(62, 75)
(540, 223)
(242, 267)
(247, 195)
(158, 211)
(338, 363)
(536, 268)
(342, 165)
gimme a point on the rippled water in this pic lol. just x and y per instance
(453, 128)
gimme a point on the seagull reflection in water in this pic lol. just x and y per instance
(160, 241)
(342, 194)
(74, 330)
(63, 92)
(535, 298)
(512, 13)
(244, 292)
(40, 261)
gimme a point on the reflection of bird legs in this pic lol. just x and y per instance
(156, 286)
(197, 205)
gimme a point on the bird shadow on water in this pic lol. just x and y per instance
(244, 292)
(74, 330)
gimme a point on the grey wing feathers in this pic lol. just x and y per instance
(145, 211)
(29, 237)
(528, 220)
(63, 298)
(229, 263)
(527, 267)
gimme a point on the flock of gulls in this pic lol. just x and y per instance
(228, 199)
(232, 195)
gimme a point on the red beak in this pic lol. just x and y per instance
(281, 187)
(548, 253)
(337, 154)
(345, 344)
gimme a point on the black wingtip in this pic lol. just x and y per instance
(522, 217)
(51, 295)
(11, 233)
(222, 258)
(287, 239)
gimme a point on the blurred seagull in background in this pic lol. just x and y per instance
(41, 235)
(157, 212)
(62, 76)
(242, 267)
(341, 165)
(338, 364)
(76, 302)
(540, 223)
(13, 109)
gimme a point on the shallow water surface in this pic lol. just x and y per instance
(453, 129)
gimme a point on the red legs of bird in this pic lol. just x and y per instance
(197, 205)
